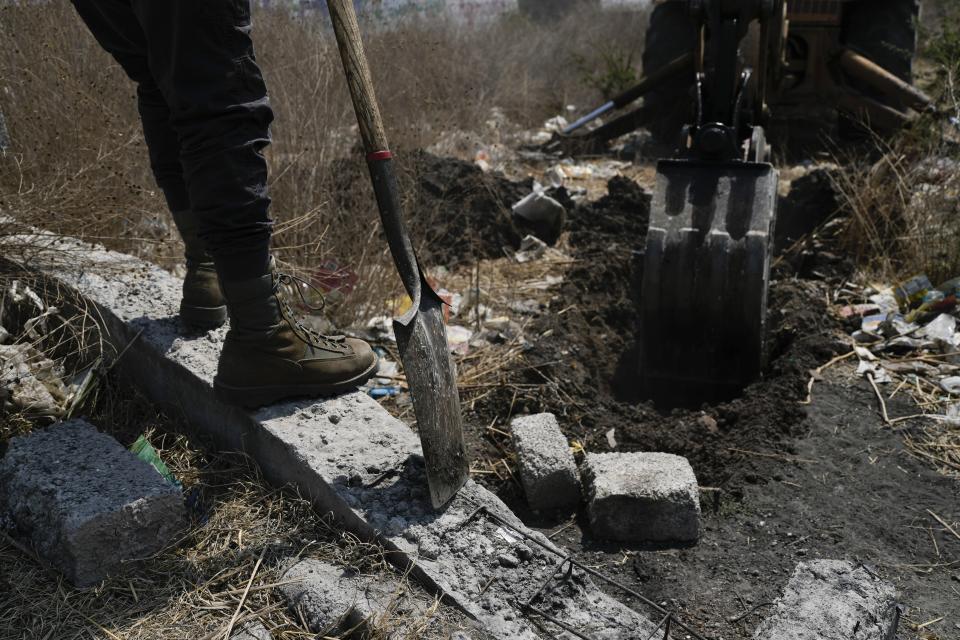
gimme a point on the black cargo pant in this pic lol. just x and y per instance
(205, 114)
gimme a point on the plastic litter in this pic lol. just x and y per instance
(951, 385)
(531, 248)
(384, 392)
(859, 310)
(539, 207)
(870, 366)
(555, 176)
(886, 302)
(942, 329)
(910, 292)
(871, 324)
(458, 338)
(556, 124)
(145, 451)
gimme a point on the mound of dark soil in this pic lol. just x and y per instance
(456, 212)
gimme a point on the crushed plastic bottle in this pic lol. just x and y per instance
(145, 451)
(910, 292)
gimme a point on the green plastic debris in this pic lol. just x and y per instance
(145, 451)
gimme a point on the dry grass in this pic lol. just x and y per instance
(193, 588)
(64, 346)
(78, 163)
(904, 198)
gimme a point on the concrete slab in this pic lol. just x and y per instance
(346, 454)
(85, 503)
(833, 600)
(547, 468)
(642, 497)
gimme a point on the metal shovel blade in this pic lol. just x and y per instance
(422, 340)
(706, 271)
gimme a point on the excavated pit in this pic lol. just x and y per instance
(583, 360)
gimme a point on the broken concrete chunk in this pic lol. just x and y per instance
(642, 497)
(833, 600)
(86, 503)
(333, 599)
(253, 630)
(328, 596)
(547, 468)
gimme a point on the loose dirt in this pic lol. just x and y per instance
(456, 212)
(584, 356)
(783, 480)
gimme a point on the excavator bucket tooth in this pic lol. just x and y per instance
(706, 270)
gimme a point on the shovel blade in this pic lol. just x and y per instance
(422, 340)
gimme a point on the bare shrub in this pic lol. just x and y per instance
(78, 163)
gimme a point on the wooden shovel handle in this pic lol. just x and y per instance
(359, 80)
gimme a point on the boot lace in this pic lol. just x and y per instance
(307, 334)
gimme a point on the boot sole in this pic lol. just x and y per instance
(203, 317)
(260, 396)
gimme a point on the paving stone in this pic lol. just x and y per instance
(547, 468)
(253, 630)
(642, 497)
(86, 503)
(833, 600)
(346, 454)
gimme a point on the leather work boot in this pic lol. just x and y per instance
(268, 355)
(203, 304)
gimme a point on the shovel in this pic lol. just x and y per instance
(421, 335)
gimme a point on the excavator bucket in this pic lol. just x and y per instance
(706, 270)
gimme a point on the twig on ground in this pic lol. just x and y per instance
(883, 404)
(819, 370)
(243, 598)
(944, 523)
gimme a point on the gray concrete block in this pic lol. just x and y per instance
(86, 503)
(547, 468)
(253, 630)
(833, 600)
(642, 497)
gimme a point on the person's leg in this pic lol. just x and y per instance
(114, 25)
(202, 57)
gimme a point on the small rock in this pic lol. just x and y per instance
(612, 438)
(709, 423)
(508, 561)
(253, 630)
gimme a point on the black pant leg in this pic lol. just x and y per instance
(118, 31)
(201, 56)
